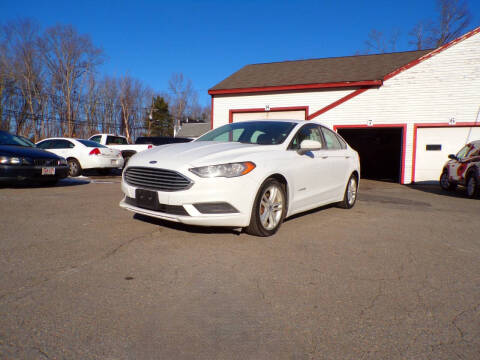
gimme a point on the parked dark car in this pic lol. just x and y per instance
(161, 140)
(20, 161)
(463, 169)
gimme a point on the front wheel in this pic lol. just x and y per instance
(472, 186)
(445, 182)
(350, 196)
(268, 210)
(74, 168)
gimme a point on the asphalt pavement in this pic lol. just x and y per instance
(396, 277)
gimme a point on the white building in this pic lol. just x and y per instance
(404, 112)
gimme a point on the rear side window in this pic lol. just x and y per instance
(63, 144)
(47, 144)
(116, 140)
(332, 140)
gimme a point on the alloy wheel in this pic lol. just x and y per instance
(271, 207)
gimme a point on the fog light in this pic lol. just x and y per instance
(215, 208)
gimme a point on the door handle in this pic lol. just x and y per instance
(347, 157)
(324, 157)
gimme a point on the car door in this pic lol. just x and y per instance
(308, 171)
(64, 148)
(458, 167)
(338, 163)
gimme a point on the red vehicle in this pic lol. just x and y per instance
(463, 169)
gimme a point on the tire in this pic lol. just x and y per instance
(269, 209)
(472, 186)
(74, 168)
(445, 182)
(351, 191)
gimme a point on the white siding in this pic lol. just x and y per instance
(314, 100)
(267, 115)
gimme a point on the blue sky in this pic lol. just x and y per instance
(209, 40)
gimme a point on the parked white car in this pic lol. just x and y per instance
(83, 154)
(250, 174)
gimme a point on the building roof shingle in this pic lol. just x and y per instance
(318, 71)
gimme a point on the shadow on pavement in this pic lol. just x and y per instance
(434, 188)
(39, 184)
(186, 228)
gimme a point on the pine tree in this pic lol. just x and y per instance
(159, 122)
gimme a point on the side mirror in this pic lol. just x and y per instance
(452, 156)
(309, 145)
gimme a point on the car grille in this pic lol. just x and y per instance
(46, 162)
(156, 179)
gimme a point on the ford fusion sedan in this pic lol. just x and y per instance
(20, 161)
(463, 169)
(83, 154)
(249, 175)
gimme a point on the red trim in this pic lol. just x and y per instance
(404, 140)
(336, 103)
(297, 87)
(211, 115)
(433, 125)
(286, 108)
(432, 53)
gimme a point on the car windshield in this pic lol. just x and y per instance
(90, 143)
(251, 132)
(9, 139)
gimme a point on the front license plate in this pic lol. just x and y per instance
(146, 199)
(114, 162)
(48, 171)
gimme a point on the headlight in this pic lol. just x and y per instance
(10, 160)
(224, 170)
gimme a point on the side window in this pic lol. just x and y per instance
(307, 132)
(96, 138)
(63, 144)
(116, 140)
(45, 144)
(333, 143)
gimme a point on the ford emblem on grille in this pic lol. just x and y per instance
(153, 162)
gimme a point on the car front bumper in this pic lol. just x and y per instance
(10, 173)
(188, 206)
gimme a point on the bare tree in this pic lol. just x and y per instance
(453, 18)
(181, 96)
(380, 43)
(68, 56)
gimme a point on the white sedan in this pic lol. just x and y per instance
(250, 174)
(83, 154)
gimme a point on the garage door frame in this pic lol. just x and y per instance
(396, 126)
(416, 126)
(231, 112)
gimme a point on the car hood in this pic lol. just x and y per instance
(199, 153)
(22, 151)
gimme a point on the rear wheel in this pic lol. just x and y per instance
(472, 186)
(74, 168)
(268, 210)
(350, 196)
(445, 182)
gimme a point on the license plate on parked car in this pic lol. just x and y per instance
(48, 171)
(146, 199)
(114, 162)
